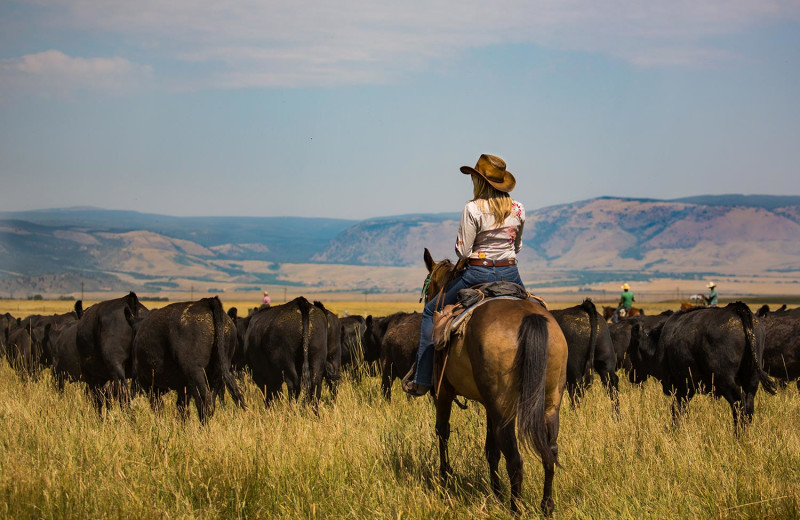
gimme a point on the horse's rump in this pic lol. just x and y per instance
(480, 363)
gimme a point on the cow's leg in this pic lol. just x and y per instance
(154, 396)
(492, 451)
(386, 378)
(748, 405)
(508, 445)
(314, 393)
(181, 403)
(610, 382)
(575, 394)
(679, 401)
(738, 409)
(98, 395)
(60, 380)
(444, 405)
(293, 380)
(197, 384)
(119, 385)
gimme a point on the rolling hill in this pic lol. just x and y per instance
(53, 250)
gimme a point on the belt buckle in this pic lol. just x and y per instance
(485, 262)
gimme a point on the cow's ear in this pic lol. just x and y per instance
(232, 312)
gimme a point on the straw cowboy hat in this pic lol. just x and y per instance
(625, 286)
(710, 285)
(493, 169)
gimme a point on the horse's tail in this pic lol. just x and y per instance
(531, 365)
(590, 309)
(224, 363)
(750, 338)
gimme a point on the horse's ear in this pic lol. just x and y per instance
(429, 263)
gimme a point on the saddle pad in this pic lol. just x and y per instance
(454, 318)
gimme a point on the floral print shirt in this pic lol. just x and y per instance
(479, 236)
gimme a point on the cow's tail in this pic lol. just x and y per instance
(531, 365)
(223, 360)
(750, 338)
(131, 312)
(590, 309)
(305, 312)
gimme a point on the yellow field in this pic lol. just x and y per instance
(364, 457)
(22, 308)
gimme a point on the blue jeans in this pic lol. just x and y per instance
(473, 275)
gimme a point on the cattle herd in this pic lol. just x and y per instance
(118, 346)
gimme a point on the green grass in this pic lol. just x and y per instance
(366, 458)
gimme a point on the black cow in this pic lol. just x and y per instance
(716, 349)
(620, 333)
(61, 347)
(288, 343)
(36, 324)
(397, 339)
(104, 338)
(782, 345)
(764, 310)
(579, 325)
(238, 361)
(186, 347)
(7, 324)
(354, 328)
(23, 352)
(333, 361)
(27, 349)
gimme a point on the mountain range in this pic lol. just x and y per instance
(55, 251)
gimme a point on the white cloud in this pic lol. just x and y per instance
(53, 72)
(312, 42)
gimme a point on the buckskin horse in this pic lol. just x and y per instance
(512, 358)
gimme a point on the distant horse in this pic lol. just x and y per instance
(608, 312)
(512, 358)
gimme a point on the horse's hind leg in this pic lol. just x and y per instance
(444, 405)
(548, 504)
(508, 445)
(492, 450)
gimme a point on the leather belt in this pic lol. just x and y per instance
(492, 263)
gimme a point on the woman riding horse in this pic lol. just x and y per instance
(511, 358)
(489, 238)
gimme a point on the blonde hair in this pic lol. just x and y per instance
(499, 203)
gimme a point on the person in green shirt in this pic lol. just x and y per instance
(711, 299)
(626, 300)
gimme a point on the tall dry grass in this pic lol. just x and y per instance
(364, 457)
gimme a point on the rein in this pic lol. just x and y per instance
(440, 305)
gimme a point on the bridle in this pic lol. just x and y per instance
(426, 285)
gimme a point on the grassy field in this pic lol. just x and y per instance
(364, 457)
(22, 308)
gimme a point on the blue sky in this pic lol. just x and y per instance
(355, 109)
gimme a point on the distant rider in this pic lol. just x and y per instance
(267, 300)
(711, 299)
(626, 300)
